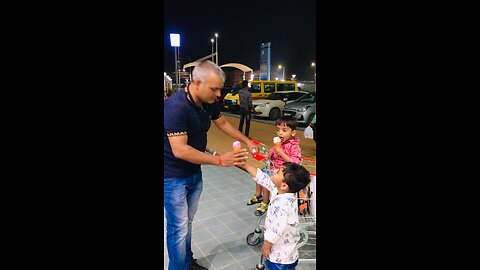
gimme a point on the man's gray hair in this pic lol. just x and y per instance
(203, 68)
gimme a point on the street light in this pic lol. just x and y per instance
(175, 43)
(293, 77)
(212, 48)
(283, 73)
(216, 46)
(276, 78)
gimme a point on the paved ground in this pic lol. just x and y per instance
(223, 221)
(261, 119)
(263, 132)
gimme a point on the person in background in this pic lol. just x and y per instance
(313, 125)
(187, 118)
(246, 108)
(183, 85)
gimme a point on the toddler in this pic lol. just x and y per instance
(289, 151)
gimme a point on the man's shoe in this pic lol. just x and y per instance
(195, 266)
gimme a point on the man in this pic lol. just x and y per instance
(187, 118)
(245, 108)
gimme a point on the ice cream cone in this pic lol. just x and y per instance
(277, 142)
(236, 146)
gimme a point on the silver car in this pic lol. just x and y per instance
(303, 109)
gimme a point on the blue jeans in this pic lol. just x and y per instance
(181, 197)
(277, 266)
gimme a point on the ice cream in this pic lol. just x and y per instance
(277, 142)
(236, 146)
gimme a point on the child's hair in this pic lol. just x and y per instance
(288, 121)
(295, 176)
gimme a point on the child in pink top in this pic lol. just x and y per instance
(289, 151)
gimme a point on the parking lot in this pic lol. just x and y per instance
(262, 120)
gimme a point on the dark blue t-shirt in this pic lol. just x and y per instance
(182, 116)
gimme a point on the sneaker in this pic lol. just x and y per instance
(195, 266)
(255, 199)
(261, 209)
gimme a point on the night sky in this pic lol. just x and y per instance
(242, 26)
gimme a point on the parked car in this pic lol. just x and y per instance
(303, 109)
(272, 106)
(259, 89)
(223, 92)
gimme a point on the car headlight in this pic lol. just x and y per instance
(234, 101)
(263, 105)
(303, 109)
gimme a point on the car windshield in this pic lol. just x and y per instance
(308, 98)
(277, 96)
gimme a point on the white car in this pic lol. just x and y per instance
(272, 106)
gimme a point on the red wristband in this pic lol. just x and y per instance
(220, 160)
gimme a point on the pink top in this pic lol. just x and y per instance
(291, 148)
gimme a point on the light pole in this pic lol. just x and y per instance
(314, 77)
(212, 48)
(175, 43)
(283, 72)
(216, 46)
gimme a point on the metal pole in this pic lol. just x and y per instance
(216, 46)
(283, 75)
(212, 48)
(175, 51)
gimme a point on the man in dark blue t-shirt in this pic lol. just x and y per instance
(187, 118)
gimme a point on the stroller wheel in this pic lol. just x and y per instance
(259, 267)
(253, 239)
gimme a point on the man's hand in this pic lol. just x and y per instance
(251, 146)
(238, 158)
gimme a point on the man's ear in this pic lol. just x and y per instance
(294, 132)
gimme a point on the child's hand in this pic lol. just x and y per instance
(265, 250)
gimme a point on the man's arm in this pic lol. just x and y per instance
(225, 126)
(182, 150)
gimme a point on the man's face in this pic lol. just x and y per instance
(209, 89)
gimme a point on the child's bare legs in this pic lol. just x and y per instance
(258, 189)
(266, 195)
(257, 197)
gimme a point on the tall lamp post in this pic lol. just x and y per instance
(175, 43)
(283, 72)
(216, 46)
(314, 77)
(212, 48)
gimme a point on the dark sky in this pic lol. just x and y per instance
(242, 26)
